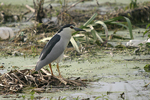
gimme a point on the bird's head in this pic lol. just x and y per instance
(69, 28)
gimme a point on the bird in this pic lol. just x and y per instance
(54, 49)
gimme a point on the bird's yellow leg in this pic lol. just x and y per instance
(58, 70)
(51, 69)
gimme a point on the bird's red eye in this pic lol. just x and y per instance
(71, 27)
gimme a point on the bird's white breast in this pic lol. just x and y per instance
(65, 38)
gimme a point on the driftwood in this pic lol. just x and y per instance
(14, 81)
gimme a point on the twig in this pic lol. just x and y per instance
(18, 78)
(30, 8)
(73, 5)
(46, 72)
(9, 76)
(61, 80)
(30, 17)
(146, 85)
(97, 2)
(31, 78)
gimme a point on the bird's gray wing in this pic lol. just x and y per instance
(48, 47)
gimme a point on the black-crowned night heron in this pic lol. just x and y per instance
(54, 49)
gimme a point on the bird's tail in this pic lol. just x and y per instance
(40, 64)
(38, 67)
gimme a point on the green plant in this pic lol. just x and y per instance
(76, 98)
(64, 98)
(95, 37)
(23, 96)
(32, 95)
(33, 49)
(123, 24)
(133, 4)
(147, 31)
(103, 97)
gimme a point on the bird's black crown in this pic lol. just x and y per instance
(67, 25)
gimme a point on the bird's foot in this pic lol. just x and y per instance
(60, 78)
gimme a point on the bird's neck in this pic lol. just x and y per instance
(66, 35)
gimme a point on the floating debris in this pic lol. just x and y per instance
(135, 43)
(136, 15)
(15, 80)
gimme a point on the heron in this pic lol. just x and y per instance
(54, 49)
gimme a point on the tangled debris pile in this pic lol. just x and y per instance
(14, 81)
(137, 15)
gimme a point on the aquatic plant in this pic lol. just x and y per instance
(92, 36)
(147, 31)
(133, 4)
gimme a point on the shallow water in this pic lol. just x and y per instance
(30, 2)
(111, 75)
(108, 76)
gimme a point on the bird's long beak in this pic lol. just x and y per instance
(78, 29)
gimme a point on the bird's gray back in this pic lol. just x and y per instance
(53, 49)
(55, 52)
(48, 47)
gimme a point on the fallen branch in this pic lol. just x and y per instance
(73, 5)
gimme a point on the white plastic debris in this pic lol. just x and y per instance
(6, 33)
(136, 43)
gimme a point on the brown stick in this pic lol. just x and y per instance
(18, 78)
(30, 8)
(73, 5)
(46, 72)
(147, 85)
